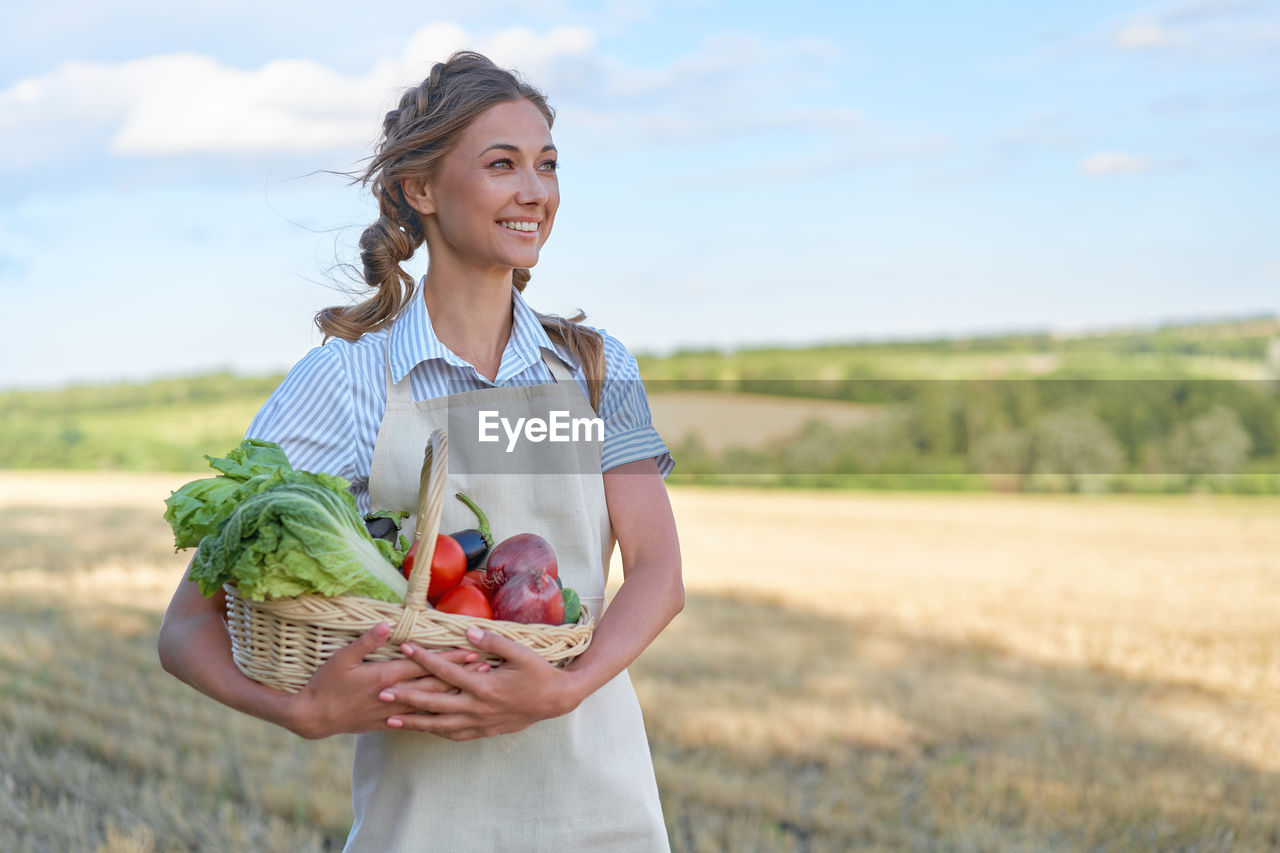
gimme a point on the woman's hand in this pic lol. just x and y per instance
(507, 698)
(342, 695)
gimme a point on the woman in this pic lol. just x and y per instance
(452, 754)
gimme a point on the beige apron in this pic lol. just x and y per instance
(582, 781)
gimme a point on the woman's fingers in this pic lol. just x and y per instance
(409, 690)
(421, 683)
(428, 701)
(441, 724)
(463, 677)
(496, 644)
(451, 726)
(462, 697)
(444, 668)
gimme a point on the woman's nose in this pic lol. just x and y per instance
(533, 189)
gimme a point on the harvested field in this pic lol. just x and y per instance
(852, 671)
(746, 420)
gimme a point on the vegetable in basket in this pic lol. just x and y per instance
(466, 600)
(448, 565)
(453, 555)
(475, 541)
(479, 578)
(274, 531)
(294, 539)
(519, 554)
(572, 605)
(523, 583)
(530, 597)
(199, 508)
(384, 525)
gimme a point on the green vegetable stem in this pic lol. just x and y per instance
(475, 542)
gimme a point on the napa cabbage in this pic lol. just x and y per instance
(197, 509)
(273, 531)
(296, 538)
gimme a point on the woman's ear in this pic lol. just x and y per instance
(417, 193)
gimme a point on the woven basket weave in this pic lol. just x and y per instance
(282, 642)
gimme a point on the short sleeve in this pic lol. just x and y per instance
(624, 407)
(310, 415)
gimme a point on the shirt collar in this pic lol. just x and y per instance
(413, 340)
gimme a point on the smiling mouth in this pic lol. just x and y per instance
(513, 225)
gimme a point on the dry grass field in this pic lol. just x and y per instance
(852, 672)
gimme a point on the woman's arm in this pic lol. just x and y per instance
(195, 647)
(525, 688)
(652, 591)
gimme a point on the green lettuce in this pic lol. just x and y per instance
(273, 531)
(296, 538)
(253, 457)
(198, 509)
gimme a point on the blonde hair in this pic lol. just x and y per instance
(415, 138)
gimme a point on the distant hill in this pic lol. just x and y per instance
(939, 413)
(1247, 348)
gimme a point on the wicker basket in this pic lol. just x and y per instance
(282, 642)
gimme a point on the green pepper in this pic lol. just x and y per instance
(572, 605)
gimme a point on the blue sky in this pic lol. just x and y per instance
(733, 173)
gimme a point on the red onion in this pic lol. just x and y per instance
(529, 597)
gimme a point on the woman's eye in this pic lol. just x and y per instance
(550, 166)
(504, 163)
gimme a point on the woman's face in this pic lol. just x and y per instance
(494, 198)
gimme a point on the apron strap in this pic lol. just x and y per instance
(563, 374)
(559, 369)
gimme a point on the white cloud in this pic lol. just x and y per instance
(1147, 34)
(1107, 163)
(1209, 29)
(191, 104)
(1043, 128)
(194, 104)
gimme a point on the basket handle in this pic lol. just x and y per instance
(435, 470)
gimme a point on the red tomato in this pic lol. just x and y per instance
(478, 578)
(465, 600)
(448, 564)
(409, 557)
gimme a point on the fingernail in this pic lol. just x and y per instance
(407, 648)
(484, 667)
(395, 722)
(475, 635)
(387, 696)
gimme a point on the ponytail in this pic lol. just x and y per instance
(384, 245)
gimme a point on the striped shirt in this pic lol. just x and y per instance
(327, 411)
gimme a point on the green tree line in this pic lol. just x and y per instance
(1174, 408)
(1041, 435)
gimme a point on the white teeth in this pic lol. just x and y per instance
(520, 226)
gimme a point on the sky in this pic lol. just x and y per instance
(734, 174)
